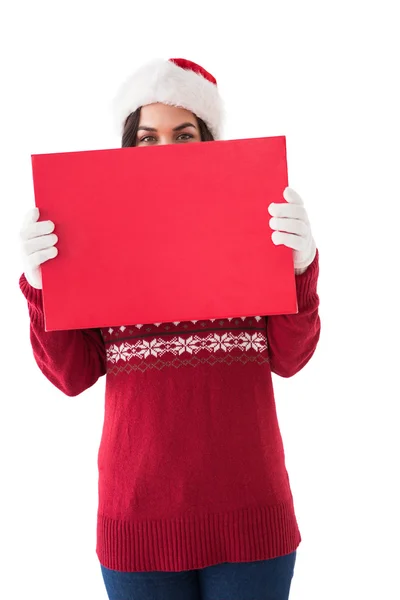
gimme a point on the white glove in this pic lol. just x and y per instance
(292, 229)
(37, 246)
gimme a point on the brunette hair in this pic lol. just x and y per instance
(129, 137)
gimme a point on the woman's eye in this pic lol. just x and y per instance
(184, 137)
(148, 138)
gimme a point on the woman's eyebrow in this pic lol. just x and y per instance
(178, 128)
(183, 126)
(145, 128)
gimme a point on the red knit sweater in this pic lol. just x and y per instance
(191, 462)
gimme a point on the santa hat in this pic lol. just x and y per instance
(177, 82)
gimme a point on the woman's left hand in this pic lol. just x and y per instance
(292, 229)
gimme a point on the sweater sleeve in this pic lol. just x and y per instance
(292, 339)
(71, 360)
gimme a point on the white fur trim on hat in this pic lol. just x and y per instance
(165, 82)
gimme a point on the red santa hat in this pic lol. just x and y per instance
(177, 82)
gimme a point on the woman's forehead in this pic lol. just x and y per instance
(164, 114)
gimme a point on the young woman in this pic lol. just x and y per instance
(194, 496)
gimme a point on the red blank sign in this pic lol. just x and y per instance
(163, 234)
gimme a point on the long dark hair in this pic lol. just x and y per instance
(129, 137)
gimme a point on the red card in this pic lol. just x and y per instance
(163, 234)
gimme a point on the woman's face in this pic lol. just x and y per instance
(161, 124)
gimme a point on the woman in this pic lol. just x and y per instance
(194, 496)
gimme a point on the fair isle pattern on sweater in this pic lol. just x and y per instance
(189, 343)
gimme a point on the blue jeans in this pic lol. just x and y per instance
(260, 580)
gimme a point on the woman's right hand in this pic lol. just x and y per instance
(38, 245)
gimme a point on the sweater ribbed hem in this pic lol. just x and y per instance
(35, 301)
(196, 542)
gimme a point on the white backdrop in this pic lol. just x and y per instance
(323, 74)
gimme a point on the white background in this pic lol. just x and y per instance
(323, 74)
